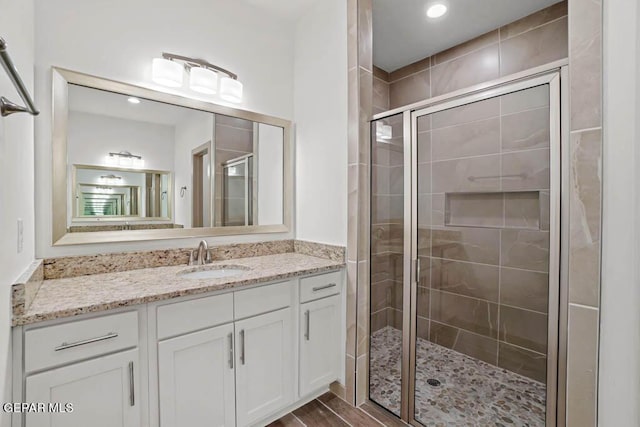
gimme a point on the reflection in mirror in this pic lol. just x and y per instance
(135, 163)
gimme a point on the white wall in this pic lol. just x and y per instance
(92, 137)
(16, 175)
(320, 99)
(270, 174)
(619, 370)
(195, 130)
(117, 40)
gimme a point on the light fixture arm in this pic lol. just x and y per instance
(192, 62)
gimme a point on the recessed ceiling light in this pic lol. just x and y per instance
(436, 10)
(133, 100)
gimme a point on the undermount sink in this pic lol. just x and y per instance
(213, 272)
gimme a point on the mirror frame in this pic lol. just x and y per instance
(60, 117)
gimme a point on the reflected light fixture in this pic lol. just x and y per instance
(125, 158)
(383, 132)
(133, 100)
(436, 10)
(204, 77)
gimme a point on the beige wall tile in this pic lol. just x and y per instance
(480, 110)
(582, 365)
(424, 146)
(522, 209)
(526, 130)
(525, 289)
(422, 328)
(378, 320)
(362, 327)
(536, 47)
(424, 178)
(466, 140)
(467, 244)
(352, 213)
(526, 170)
(424, 123)
(585, 44)
(366, 110)
(463, 278)
(350, 380)
(534, 20)
(473, 68)
(523, 362)
(381, 74)
(474, 209)
(524, 249)
(473, 345)
(465, 313)
(365, 34)
(472, 174)
(408, 90)
(362, 379)
(472, 45)
(380, 94)
(523, 100)
(523, 328)
(413, 68)
(352, 277)
(585, 213)
(382, 294)
(422, 302)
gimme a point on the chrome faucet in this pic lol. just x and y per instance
(202, 254)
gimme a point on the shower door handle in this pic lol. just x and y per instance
(417, 270)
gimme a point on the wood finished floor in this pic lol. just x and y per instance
(329, 410)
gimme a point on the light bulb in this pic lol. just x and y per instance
(436, 10)
(167, 73)
(203, 80)
(230, 90)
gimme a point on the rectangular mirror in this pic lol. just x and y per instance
(136, 164)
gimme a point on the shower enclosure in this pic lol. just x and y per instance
(465, 240)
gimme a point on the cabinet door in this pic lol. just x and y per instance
(264, 365)
(196, 379)
(319, 343)
(103, 391)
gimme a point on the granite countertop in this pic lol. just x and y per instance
(66, 297)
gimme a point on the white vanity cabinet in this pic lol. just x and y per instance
(196, 379)
(234, 359)
(233, 374)
(93, 364)
(319, 336)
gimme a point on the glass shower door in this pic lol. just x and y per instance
(484, 305)
(387, 258)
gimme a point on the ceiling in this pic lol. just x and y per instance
(289, 10)
(100, 102)
(402, 33)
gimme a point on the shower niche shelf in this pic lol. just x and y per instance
(498, 209)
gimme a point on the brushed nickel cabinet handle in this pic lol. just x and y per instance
(307, 320)
(242, 355)
(132, 391)
(230, 350)
(65, 346)
(320, 288)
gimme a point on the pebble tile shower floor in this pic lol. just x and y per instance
(471, 392)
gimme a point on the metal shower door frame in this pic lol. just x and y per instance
(556, 348)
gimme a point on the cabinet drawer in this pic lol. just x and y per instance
(82, 339)
(188, 316)
(320, 286)
(262, 300)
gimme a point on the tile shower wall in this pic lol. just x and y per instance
(534, 40)
(234, 138)
(483, 241)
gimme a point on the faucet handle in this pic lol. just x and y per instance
(207, 257)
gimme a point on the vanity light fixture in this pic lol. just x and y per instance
(436, 10)
(110, 179)
(125, 158)
(204, 77)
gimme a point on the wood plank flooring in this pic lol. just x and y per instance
(329, 410)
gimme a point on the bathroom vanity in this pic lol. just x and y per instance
(164, 347)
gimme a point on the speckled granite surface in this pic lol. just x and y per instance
(26, 287)
(321, 250)
(72, 296)
(472, 393)
(73, 266)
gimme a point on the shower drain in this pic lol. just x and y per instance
(433, 382)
